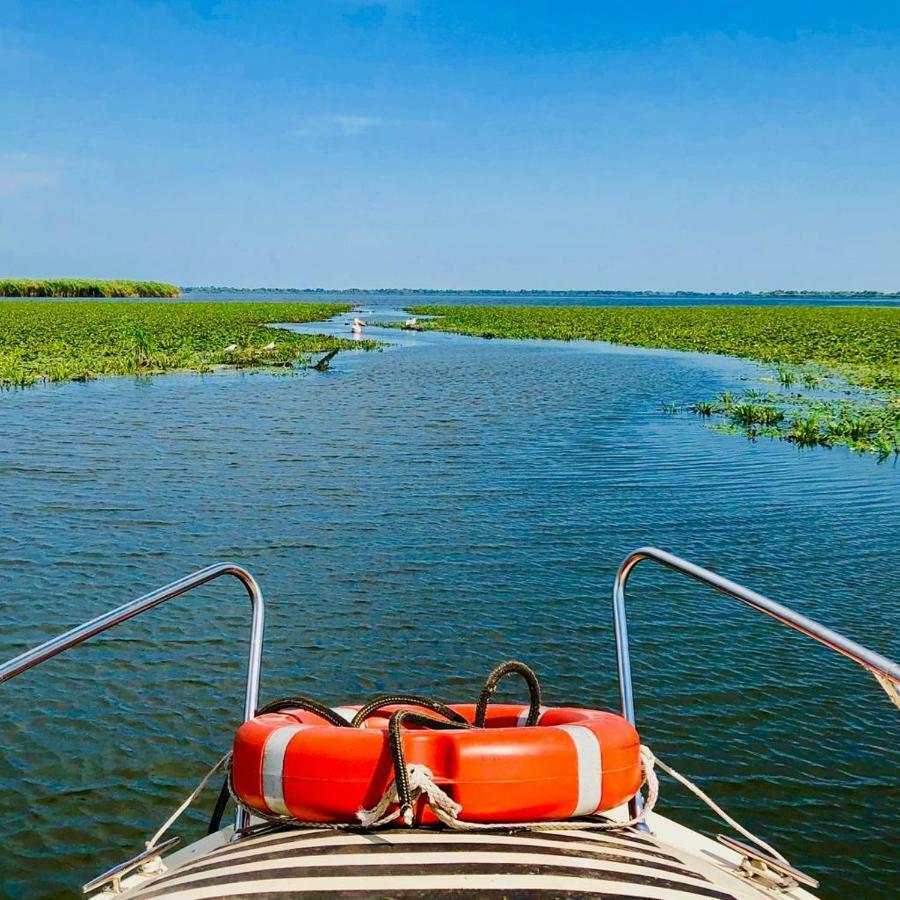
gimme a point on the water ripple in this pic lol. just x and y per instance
(414, 516)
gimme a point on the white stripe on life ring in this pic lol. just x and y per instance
(523, 716)
(273, 767)
(345, 712)
(590, 768)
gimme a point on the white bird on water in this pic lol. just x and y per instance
(270, 346)
(357, 326)
(410, 323)
(231, 348)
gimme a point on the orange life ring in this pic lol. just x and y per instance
(575, 762)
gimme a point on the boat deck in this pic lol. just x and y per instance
(421, 863)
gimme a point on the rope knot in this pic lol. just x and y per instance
(421, 783)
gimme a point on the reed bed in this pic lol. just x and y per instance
(809, 347)
(81, 287)
(64, 341)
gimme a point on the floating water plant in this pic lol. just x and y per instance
(748, 414)
(867, 424)
(805, 431)
(863, 343)
(60, 341)
(706, 408)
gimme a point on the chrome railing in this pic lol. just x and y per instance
(120, 614)
(886, 672)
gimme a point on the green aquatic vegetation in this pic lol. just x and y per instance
(80, 340)
(871, 428)
(748, 414)
(728, 428)
(812, 378)
(805, 431)
(850, 428)
(84, 287)
(855, 350)
(809, 376)
(786, 377)
(866, 424)
(141, 342)
(861, 343)
(884, 446)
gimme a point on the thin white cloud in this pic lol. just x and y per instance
(12, 182)
(338, 125)
(22, 172)
(353, 125)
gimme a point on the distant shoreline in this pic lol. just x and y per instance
(486, 292)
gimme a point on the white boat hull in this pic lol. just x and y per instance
(669, 863)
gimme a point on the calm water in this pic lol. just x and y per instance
(415, 516)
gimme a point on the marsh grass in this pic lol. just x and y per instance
(66, 341)
(705, 409)
(805, 431)
(866, 424)
(83, 287)
(749, 414)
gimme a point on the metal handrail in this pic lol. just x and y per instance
(81, 633)
(886, 672)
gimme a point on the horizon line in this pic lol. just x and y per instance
(776, 292)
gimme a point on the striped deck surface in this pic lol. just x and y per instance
(412, 864)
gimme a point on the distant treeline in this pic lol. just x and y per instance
(487, 292)
(84, 287)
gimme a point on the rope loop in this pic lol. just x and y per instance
(308, 705)
(511, 667)
(414, 699)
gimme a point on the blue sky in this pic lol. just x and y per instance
(658, 145)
